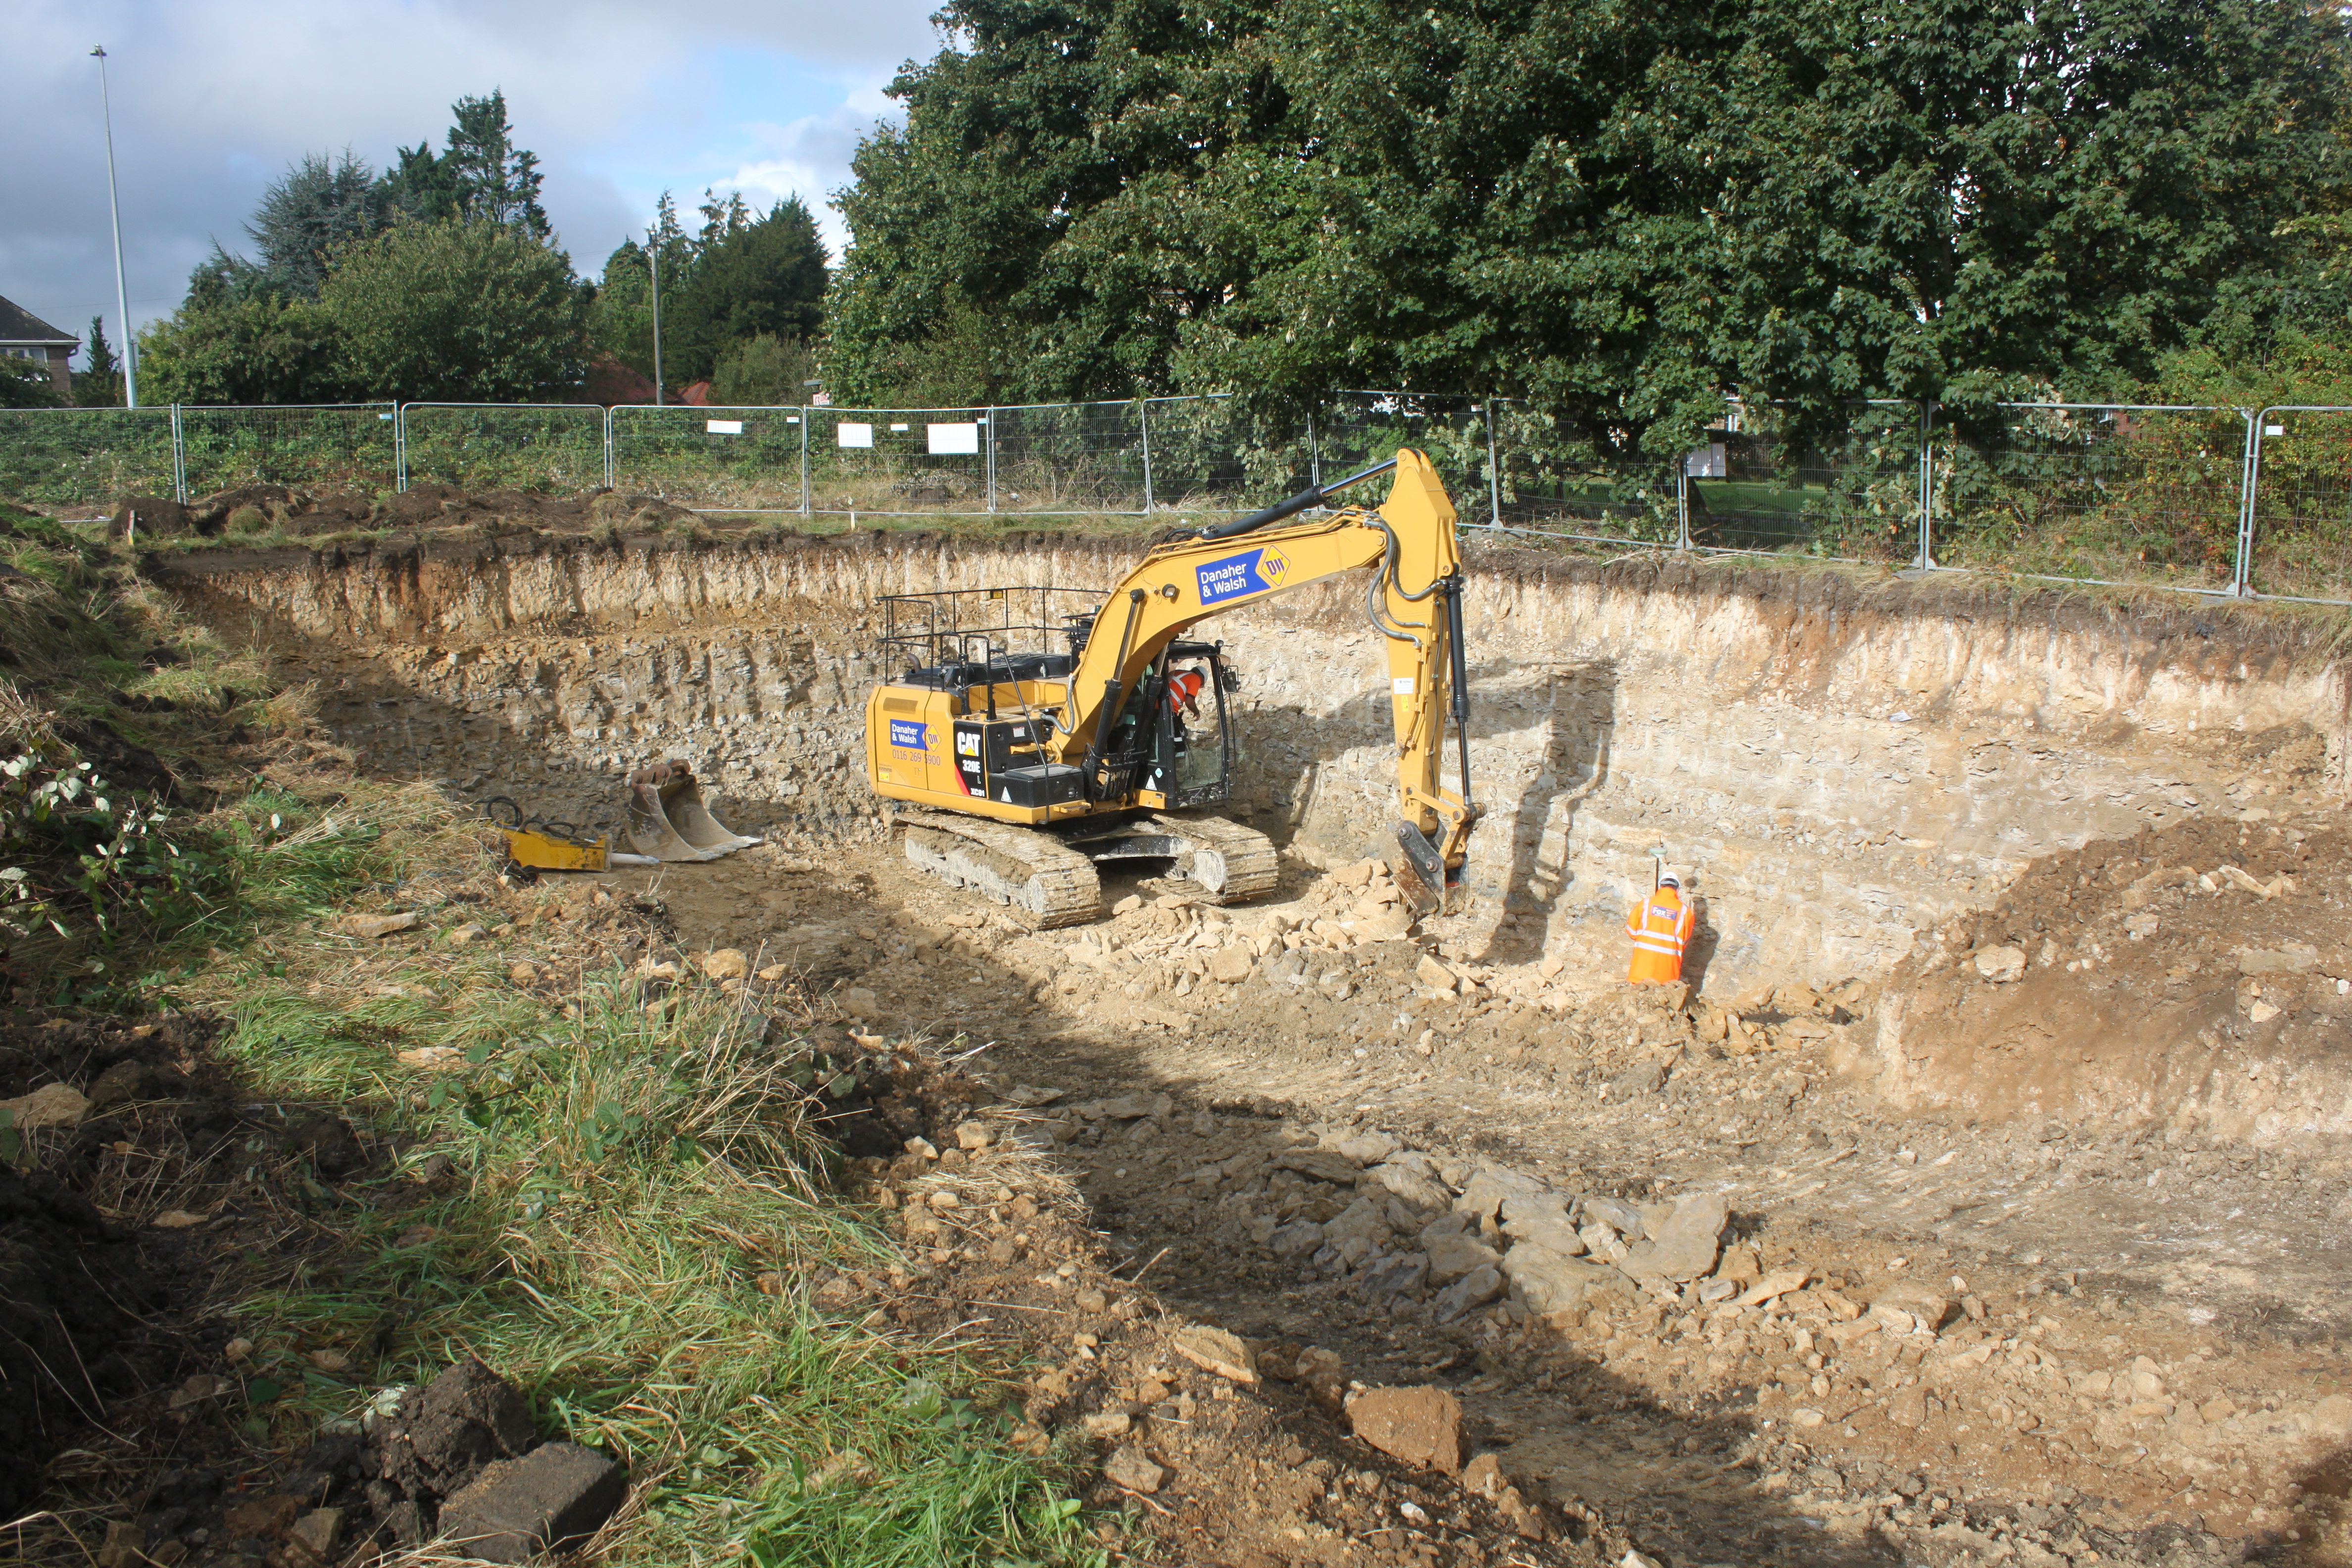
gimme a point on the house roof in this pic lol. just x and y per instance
(18, 325)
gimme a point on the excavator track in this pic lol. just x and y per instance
(1243, 855)
(1045, 882)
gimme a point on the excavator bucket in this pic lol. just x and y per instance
(1420, 872)
(667, 820)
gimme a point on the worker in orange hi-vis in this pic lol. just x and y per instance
(1661, 928)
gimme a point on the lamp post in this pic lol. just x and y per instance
(114, 204)
(653, 256)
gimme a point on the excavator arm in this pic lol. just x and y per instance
(1414, 599)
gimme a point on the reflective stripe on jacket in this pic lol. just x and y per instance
(1663, 924)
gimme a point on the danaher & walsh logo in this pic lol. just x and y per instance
(1235, 577)
(909, 734)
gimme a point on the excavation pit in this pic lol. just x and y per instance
(1879, 793)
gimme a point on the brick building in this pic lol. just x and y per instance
(24, 335)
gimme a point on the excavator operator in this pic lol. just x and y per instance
(1184, 690)
(1661, 929)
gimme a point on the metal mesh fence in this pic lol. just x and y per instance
(1067, 457)
(340, 447)
(747, 457)
(1846, 489)
(555, 447)
(1554, 479)
(898, 460)
(1216, 454)
(2300, 543)
(87, 457)
(2116, 493)
(2196, 498)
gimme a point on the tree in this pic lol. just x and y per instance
(25, 383)
(763, 370)
(263, 348)
(1620, 215)
(312, 210)
(462, 311)
(745, 279)
(100, 384)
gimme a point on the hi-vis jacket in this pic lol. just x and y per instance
(1661, 928)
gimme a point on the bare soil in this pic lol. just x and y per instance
(2132, 1368)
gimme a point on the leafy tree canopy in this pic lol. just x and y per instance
(263, 348)
(315, 209)
(470, 311)
(480, 176)
(100, 383)
(1620, 212)
(734, 279)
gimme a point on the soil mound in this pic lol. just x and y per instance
(2202, 973)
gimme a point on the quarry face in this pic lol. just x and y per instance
(2014, 1054)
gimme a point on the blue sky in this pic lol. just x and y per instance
(212, 98)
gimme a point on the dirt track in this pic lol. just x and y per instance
(2136, 1327)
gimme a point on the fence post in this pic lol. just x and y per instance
(2250, 478)
(1314, 455)
(1143, 428)
(400, 449)
(805, 484)
(1926, 559)
(990, 462)
(608, 446)
(179, 459)
(1682, 504)
(1494, 470)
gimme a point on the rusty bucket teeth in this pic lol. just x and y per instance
(667, 818)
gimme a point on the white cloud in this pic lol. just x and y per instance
(212, 98)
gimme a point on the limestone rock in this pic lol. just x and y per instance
(1472, 1290)
(726, 964)
(1684, 1247)
(1433, 974)
(372, 926)
(1423, 1192)
(1554, 1283)
(1451, 1256)
(1490, 1186)
(1323, 1164)
(1543, 1219)
(1618, 1215)
(1299, 1236)
(2002, 964)
(861, 1004)
(1215, 1350)
(51, 1105)
(1130, 1468)
(973, 1135)
(1418, 1425)
(1231, 965)
(1778, 1283)
(1642, 1077)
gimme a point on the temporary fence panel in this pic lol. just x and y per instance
(1216, 454)
(87, 457)
(1845, 487)
(2299, 522)
(324, 447)
(1560, 481)
(1353, 430)
(549, 446)
(893, 461)
(1061, 457)
(2091, 492)
(747, 458)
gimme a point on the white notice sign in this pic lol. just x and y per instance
(950, 438)
(848, 435)
(723, 426)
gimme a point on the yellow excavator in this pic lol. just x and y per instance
(1034, 732)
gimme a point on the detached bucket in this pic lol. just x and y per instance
(667, 820)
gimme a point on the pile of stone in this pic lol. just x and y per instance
(1455, 1235)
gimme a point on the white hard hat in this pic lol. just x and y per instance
(1671, 880)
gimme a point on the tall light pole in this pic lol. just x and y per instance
(114, 203)
(653, 256)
